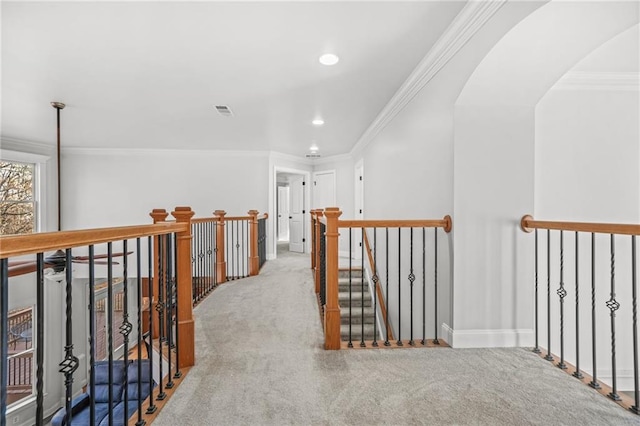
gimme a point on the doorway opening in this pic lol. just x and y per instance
(291, 208)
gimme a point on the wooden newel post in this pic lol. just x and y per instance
(254, 261)
(332, 309)
(317, 249)
(221, 263)
(185, 324)
(312, 213)
(158, 215)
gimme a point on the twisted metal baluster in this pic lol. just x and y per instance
(424, 288)
(70, 363)
(594, 379)
(412, 278)
(170, 308)
(139, 421)
(375, 288)
(548, 357)
(577, 374)
(350, 344)
(635, 408)
(613, 306)
(537, 348)
(92, 333)
(386, 341)
(399, 342)
(435, 287)
(562, 293)
(362, 343)
(152, 406)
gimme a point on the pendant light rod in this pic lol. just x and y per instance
(58, 106)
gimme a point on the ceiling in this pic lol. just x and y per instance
(147, 75)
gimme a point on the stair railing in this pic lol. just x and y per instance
(599, 275)
(120, 278)
(393, 254)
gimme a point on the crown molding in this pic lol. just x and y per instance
(162, 152)
(470, 19)
(582, 80)
(30, 147)
(333, 159)
(276, 155)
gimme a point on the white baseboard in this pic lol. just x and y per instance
(487, 338)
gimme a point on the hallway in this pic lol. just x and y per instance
(260, 361)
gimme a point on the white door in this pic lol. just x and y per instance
(283, 213)
(296, 214)
(324, 190)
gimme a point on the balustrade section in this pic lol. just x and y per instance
(380, 281)
(585, 286)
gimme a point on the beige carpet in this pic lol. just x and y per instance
(259, 361)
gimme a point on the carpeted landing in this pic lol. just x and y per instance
(259, 361)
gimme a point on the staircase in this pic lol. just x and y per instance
(361, 302)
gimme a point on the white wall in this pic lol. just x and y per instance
(118, 188)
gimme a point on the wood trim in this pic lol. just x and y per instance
(444, 223)
(383, 307)
(527, 224)
(204, 219)
(254, 262)
(221, 263)
(230, 218)
(17, 245)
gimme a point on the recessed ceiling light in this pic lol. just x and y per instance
(314, 148)
(329, 59)
(318, 122)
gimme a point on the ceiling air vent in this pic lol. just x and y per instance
(313, 156)
(224, 110)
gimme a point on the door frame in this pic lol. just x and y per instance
(273, 208)
(331, 172)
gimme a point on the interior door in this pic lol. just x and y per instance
(283, 213)
(324, 190)
(296, 214)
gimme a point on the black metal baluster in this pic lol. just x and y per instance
(70, 363)
(40, 306)
(613, 306)
(577, 374)
(139, 421)
(386, 258)
(562, 293)
(594, 380)
(4, 335)
(548, 357)
(399, 342)
(126, 327)
(424, 288)
(435, 286)
(178, 373)
(110, 309)
(161, 308)
(244, 247)
(170, 308)
(350, 344)
(152, 406)
(214, 227)
(362, 344)
(634, 299)
(92, 334)
(537, 348)
(375, 287)
(412, 278)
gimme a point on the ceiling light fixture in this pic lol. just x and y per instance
(313, 148)
(329, 59)
(318, 122)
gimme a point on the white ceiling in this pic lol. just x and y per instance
(148, 74)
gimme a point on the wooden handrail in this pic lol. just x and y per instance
(17, 245)
(528, 224)
(444, 223)
(383, 307)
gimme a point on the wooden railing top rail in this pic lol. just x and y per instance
(226, 218)
(528, 224)
(17, 245)
(444, 223)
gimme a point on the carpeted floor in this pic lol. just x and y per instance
(259, 361)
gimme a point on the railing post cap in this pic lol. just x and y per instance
(159, 215)
(332, 212)
(182, 214)
(253, 212)
(220, 213)
(266, 215)
(523, 221)
(319, 212)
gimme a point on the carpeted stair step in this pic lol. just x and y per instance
(357, 299)
(356, 315)
(356, 332)
(344, 273)
(356, 284)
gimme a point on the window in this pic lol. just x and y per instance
(18, 212)
(21, 368)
